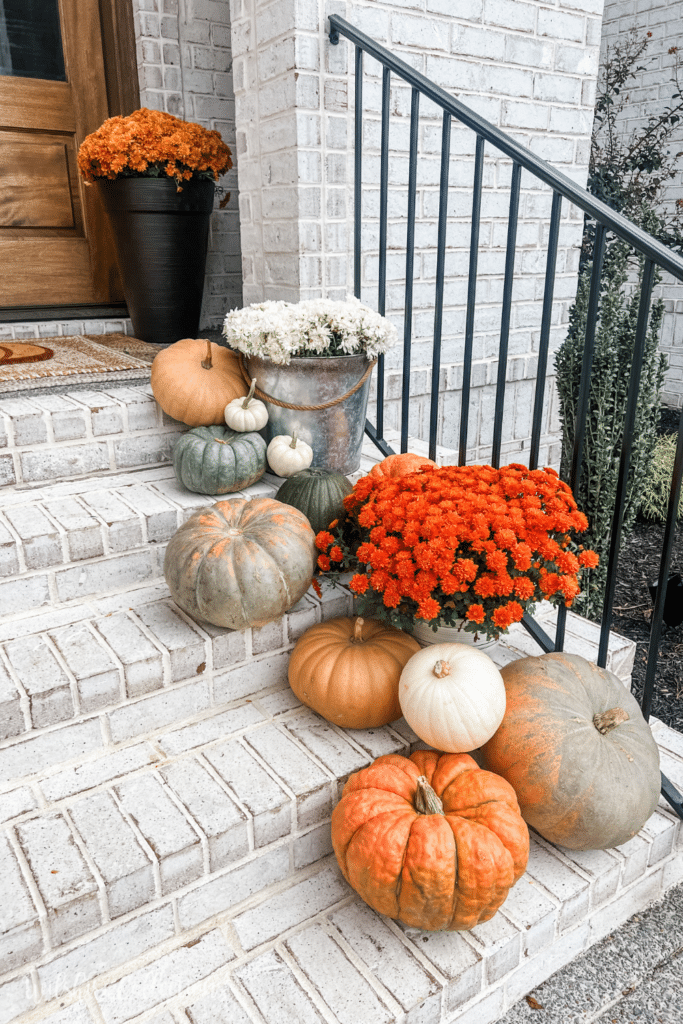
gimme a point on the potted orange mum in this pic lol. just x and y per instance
(469, 548)
(155, 174)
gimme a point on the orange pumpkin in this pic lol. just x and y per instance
(575, 747)
(194, 379)
(431, 840)
(348, 671)
(400, 464)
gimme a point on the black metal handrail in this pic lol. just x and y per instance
(606, 220)
(541, 169)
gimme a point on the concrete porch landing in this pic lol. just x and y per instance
(165, 800)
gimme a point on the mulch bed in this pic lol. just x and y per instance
(639, 567)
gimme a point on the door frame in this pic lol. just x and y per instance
(120, 58)
(123, 97)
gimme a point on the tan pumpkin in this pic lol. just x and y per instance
(576, 749)
(400, 464)
(241, 563)
(194, 379)
(348, 671)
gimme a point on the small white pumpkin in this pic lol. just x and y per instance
(287, 455)
(246, 414)
(452, 696)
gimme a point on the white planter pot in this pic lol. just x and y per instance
(425, 636)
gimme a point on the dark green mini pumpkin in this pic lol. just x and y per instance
(318, 493)
(217, 460)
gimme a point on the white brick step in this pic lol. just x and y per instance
(76, 540)
(114, 667)
(275, 934)
(180, 741)
(64, 541)
(82, 434)
(236, 795)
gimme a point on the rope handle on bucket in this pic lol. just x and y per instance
(304, 408)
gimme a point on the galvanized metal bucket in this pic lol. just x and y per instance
(336, 433)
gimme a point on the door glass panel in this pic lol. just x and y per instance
(31, 39)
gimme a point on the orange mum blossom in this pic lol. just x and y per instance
(452, 543)
(152, 144)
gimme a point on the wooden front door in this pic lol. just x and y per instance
(55, 247)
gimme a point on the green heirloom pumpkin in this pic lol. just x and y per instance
(318, 493)
(574, 746)
(240, 563)
(217, 460)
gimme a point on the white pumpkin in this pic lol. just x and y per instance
(287, 455)
(246, 414)
(452, 696)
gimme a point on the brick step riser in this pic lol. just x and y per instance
(305, 933)
(48, 438)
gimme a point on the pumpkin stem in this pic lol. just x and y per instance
(293, 441)
(441, 669)
(247, 400)
(609, 719)
(426, 800)
(357, 637)
(207, 362)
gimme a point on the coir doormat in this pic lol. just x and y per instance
(80, 359)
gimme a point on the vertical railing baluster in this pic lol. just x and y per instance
(471, 299)
(550, 266)
(664, 566)
(383, 217)
(587, 364)
(505, 314)
(410, 260)
(625, 460)
(358, 174)
(440, 274)
(584, 390)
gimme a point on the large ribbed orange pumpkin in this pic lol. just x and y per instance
(194, 379)
(241, 563)
(348, 671)
(400, 464)
(431, 840)
(576, 749)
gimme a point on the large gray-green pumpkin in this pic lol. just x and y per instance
(241, 563)
(217, 460)
(574, 746)
(318, 493)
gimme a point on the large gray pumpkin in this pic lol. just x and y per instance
(217, 460)
(574, 746)
(241, 563)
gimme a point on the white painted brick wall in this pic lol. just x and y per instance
(184, 54)
(652, 92)
(528, 68)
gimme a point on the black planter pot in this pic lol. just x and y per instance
(161, 237)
